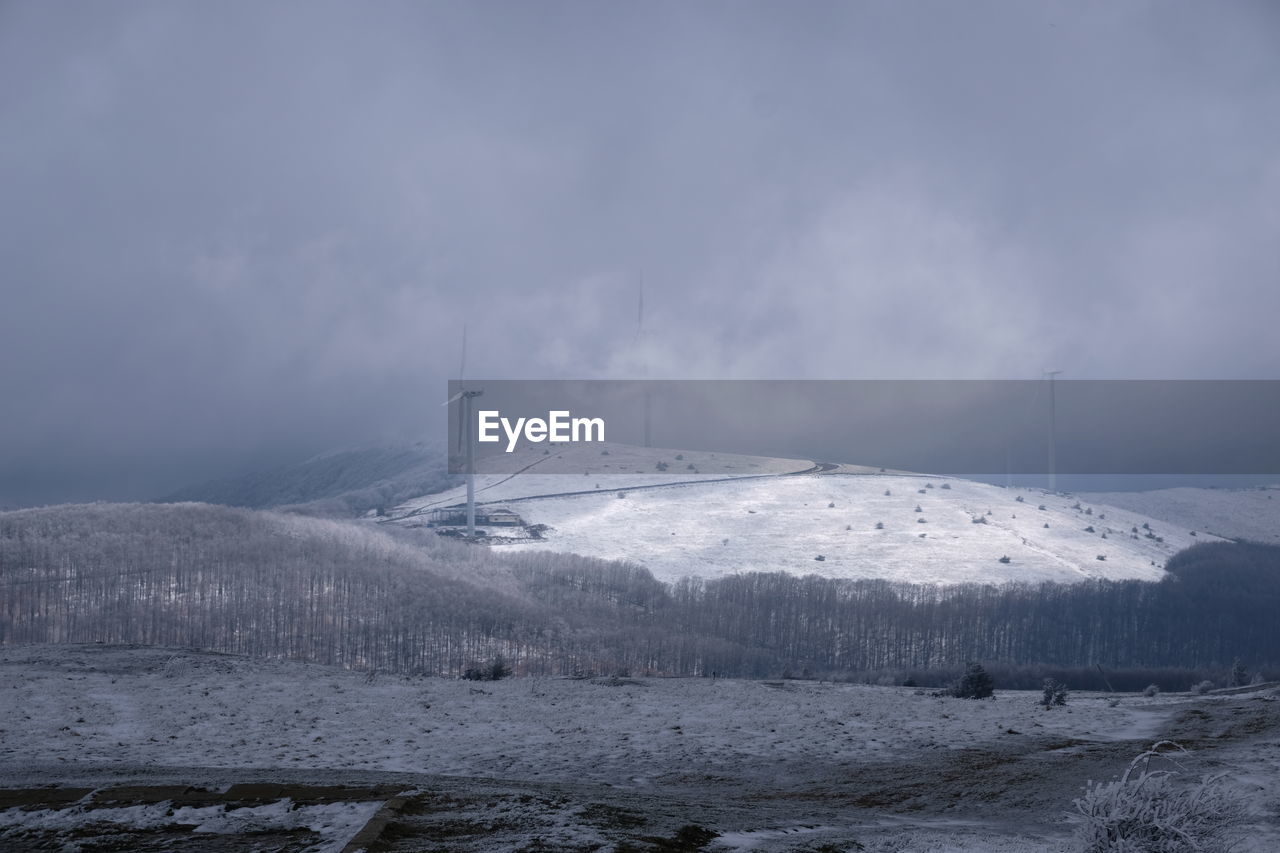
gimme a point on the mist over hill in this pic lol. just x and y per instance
(342, 483)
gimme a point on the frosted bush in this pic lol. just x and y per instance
(1054, 693)
(1150, 811)
(176, 667)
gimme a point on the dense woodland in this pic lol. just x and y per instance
(351, 594)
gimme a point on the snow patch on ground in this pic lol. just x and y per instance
(335, 823)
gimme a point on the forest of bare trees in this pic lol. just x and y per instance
(349, 594)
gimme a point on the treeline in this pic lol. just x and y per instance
(348, 594)
(1218, 602)
(261, 583)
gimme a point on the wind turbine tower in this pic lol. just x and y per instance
(466, 432)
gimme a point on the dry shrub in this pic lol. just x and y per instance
(1149, 811)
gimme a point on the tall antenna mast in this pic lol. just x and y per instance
(639, 333)
(1053, 432)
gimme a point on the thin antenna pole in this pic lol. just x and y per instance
(1053, 433)
(648, 430)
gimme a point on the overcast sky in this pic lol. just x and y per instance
(239, 233)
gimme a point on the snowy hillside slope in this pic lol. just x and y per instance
(1232, 513)
(785, 524)
(743, 514)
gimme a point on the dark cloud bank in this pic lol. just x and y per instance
(235, 234)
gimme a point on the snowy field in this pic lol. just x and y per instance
(766, 765)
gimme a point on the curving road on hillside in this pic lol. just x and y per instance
(814, 468)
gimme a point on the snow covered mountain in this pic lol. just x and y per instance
(681, 513)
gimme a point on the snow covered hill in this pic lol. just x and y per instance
(724, 514)
(1233, 513)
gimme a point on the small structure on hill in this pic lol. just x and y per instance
(486, 516)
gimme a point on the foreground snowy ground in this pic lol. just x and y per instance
(154, 707)
(766, 765)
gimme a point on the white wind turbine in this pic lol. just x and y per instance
(464, 398)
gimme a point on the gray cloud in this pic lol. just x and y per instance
(235, 232)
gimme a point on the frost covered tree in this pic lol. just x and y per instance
(368, 597)
(1239, 675)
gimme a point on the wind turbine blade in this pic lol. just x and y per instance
(461, 427)
(454, 397)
